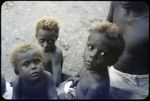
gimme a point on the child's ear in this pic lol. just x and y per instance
(16, 71)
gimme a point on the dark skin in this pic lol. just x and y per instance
(53, 56)
(33, 82)
(94, 81)
(133, 20)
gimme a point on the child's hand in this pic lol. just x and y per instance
(67, 87)
(74, 80)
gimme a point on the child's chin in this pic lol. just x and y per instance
(48, 49)
(34, 78)
(88, 67)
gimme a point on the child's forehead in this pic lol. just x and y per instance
(97, 36)
(48, 31)
(100, 39)
(33, 52)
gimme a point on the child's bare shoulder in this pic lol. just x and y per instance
(47, 74)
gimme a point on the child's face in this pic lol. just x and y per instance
(96, 52)
(30, 65)
(47, 39)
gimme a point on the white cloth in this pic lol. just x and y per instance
(127, 86)
(67, 88)
(8, 93)
(123, 85)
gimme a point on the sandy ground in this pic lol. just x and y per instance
(74, 17)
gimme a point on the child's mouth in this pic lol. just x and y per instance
(88, 63)
(34, 74)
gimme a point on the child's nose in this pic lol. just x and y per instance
(33, 66)
(93, 53)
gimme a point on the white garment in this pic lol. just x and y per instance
(67, 88)
(8, 93)
(127, 86)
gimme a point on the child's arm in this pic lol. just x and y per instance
(57, 62)
(97, 93)
(110, 13)
(51, 88)
(17, 89)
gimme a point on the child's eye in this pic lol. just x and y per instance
(26, 63)
(41, 40)
(91, 47)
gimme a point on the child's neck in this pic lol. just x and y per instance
(31, 83)
(98, 76)
(101, 71)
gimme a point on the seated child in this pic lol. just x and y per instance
(32, 82)
(6, 89)
(103, 48)
(47, 32)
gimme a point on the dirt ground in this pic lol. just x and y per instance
(18, 19)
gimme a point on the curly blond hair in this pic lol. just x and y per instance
(105, 27)
(48, 24)
(112, 32)
(20, 48)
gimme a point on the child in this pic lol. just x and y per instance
(103, 48)
(32, 82)
(47, 32)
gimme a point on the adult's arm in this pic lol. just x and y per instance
(110, 13)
